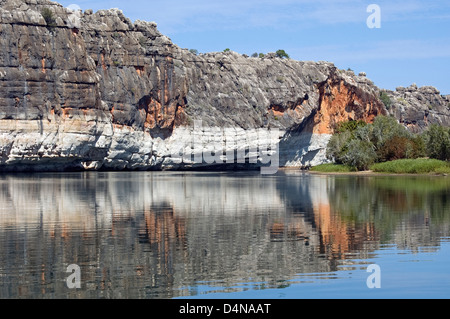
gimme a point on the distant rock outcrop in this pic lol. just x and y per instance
(96, 91)
(417, 108)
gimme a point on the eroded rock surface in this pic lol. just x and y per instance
(97, 91)
(417, 108)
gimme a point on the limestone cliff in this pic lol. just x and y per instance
(417, 107)
(85, 90)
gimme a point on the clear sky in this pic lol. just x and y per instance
(412, 44)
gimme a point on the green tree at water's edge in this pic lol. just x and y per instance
(438, 142)
(360, 145)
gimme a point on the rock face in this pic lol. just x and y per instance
(417, 107)
(84, 90)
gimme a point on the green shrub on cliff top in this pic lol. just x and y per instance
(282, 54)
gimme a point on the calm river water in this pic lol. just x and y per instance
(223, 235)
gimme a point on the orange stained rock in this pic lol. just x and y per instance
(180, 116)
(157, 117)
(102, 57)
(338, 103)
(166, 87)
(66, 112)
(43, 65)
(43, 274)
(278, 114)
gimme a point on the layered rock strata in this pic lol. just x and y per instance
(417, 108)
(85, 90)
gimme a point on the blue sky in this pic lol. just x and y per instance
(412, 45)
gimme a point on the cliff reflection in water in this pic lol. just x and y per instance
(161, 234)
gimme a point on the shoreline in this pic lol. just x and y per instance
(280, 169)
(372, 173)
(401, 167)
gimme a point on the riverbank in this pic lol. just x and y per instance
(372, 173)
(397, 167)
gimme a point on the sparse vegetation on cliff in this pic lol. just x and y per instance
(282, 54)
(143, 41)
(385, 99)
(279, 54)
(49, 17)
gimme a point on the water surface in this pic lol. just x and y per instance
(223, 235)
